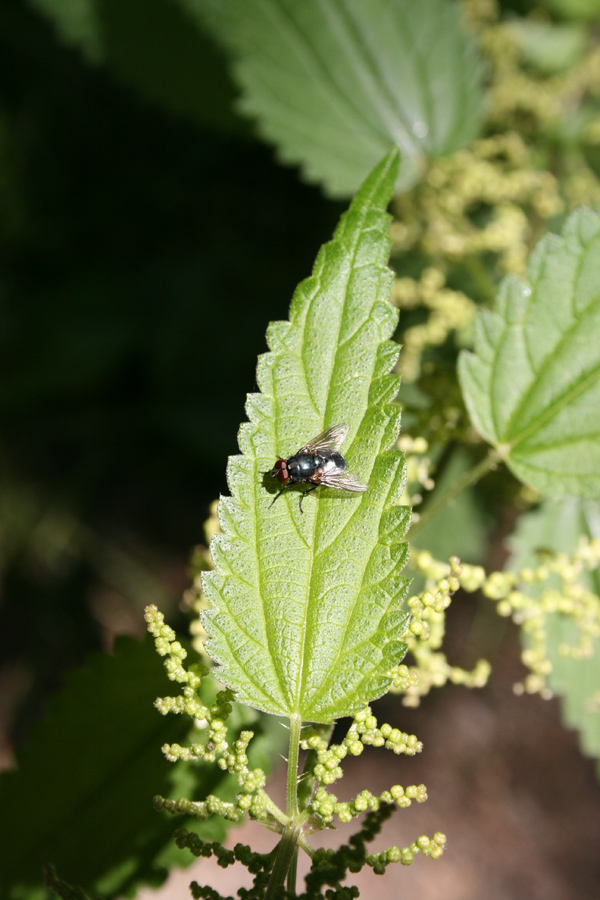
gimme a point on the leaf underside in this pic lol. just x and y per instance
(306, 616)
(532, 386)
(334, 83)
(556, 526)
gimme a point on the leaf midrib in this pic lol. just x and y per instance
(381, 90)
(567, 397)
(342, 643)
(367, 205)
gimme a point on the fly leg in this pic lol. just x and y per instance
(304, 493)
(279, 494)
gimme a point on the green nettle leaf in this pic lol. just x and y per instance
(556, 526)
(306, 616)
(532, 387)
(334, 83)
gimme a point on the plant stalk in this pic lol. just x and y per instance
(292, 776)
(287, 851)
(488, 463)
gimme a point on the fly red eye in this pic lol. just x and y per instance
(280, 471)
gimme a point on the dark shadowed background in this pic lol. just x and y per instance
(142, 255)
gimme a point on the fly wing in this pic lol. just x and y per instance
(343, 481)
(331, 439)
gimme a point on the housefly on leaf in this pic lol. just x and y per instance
(317, 463)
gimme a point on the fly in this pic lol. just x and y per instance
(317, 463)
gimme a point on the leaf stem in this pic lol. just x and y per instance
(292, 777)
(489, 462)
(292, 871)
(287, 851)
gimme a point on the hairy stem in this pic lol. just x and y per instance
(488, 463)
(292, 777)
(292, 871)
(287, 851)
(286, 854)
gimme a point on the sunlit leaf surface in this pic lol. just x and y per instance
(306, 612)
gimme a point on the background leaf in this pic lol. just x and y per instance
(82, 795)
(154, 47)
(532, 386)
(305, 614)
(334, 83)
(557, 527)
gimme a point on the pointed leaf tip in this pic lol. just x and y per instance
(305, 614)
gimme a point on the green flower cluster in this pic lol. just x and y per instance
(529, 597)
(230, 756)
(425, 635)
(532, 595)
(363, 732)
(317, 808)
(443, 218)
(476, 214)
(448, 311)
(330, 867)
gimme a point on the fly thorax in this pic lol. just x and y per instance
(301, 466)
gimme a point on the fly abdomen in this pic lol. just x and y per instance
(331, 463)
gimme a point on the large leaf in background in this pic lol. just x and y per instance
(334, 83)
(557, 527)
(152, 46)
(532, 386)
(82, 795)
(306, 616)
